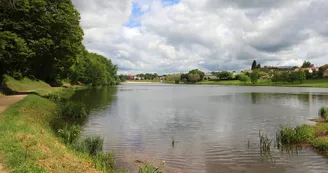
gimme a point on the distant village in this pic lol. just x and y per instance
(306, 67)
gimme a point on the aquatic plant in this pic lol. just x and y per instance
(69, 134)
(92, 145)
(299, 134)
(323, 113)
(69, 109)
(104, 161)
(148, 168)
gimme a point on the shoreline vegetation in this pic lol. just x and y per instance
(41, 133)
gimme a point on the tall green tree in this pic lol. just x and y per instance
(197, 71)
(306, 64)
(254, 77)
(44, 34)
(254, 65)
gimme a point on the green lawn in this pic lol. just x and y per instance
(320, 83)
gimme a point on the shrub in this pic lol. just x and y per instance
(104, 161)
(323, 113)
(321, 144)
(73, 110)
(243, 78)
(92, 145)
(299, 134)
(254, 76)
(69, 134)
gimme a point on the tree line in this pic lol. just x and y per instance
(42, 39)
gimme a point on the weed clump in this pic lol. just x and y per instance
(299, 134)
(323, 113)
(69, 134)
(69, 109)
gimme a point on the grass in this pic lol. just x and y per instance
(28, 144)
(319, 83)
(25, 84)
(315, 136)
(72, 110)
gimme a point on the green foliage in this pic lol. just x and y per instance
(225, 75)
(254, 76)
(39, 38)
(254, 64)
(69, 134)
(299, 134)
(69, 109)
(321, 143)
(293, 76)
(92, 145)
(174, 77)
(194, 77)
(306, 64)
(275, 76)
(243, 78)
(197, 71)
(301, 76)
(104, 162)
(148, 76)
(123, 77)
(323, 113)
(94, 69)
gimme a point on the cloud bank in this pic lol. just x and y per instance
(166, 36)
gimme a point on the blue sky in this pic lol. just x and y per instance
(134, 19)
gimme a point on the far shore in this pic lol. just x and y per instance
(140, 82)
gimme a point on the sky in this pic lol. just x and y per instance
(169, 36)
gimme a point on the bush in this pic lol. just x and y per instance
(69, 134)
(254, 76)
(321, 144)
(92, 145)
(73, 110)
(243, 78)
(299, 134)
(323, 113)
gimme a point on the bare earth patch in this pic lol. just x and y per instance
(7, 101)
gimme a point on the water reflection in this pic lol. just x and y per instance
(210, 126)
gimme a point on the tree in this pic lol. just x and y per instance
(225, 75)
(254, 65)
(123, 77)
(197, 71)
(184, 77)
(243, 78)
(276, 76)
(45, 34)
(258, 66)
(254, 77)
(307, 64)
(174, 77)
(284, 77)
(194, 77)
(301, 76)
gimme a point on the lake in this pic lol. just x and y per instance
(215, 128)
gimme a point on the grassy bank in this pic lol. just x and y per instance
(28, 144)
(319, 83)
(25, 84)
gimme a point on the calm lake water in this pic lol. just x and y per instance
(215, 128)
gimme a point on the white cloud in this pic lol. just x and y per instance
(210, 35)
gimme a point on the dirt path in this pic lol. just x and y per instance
(5, 102)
